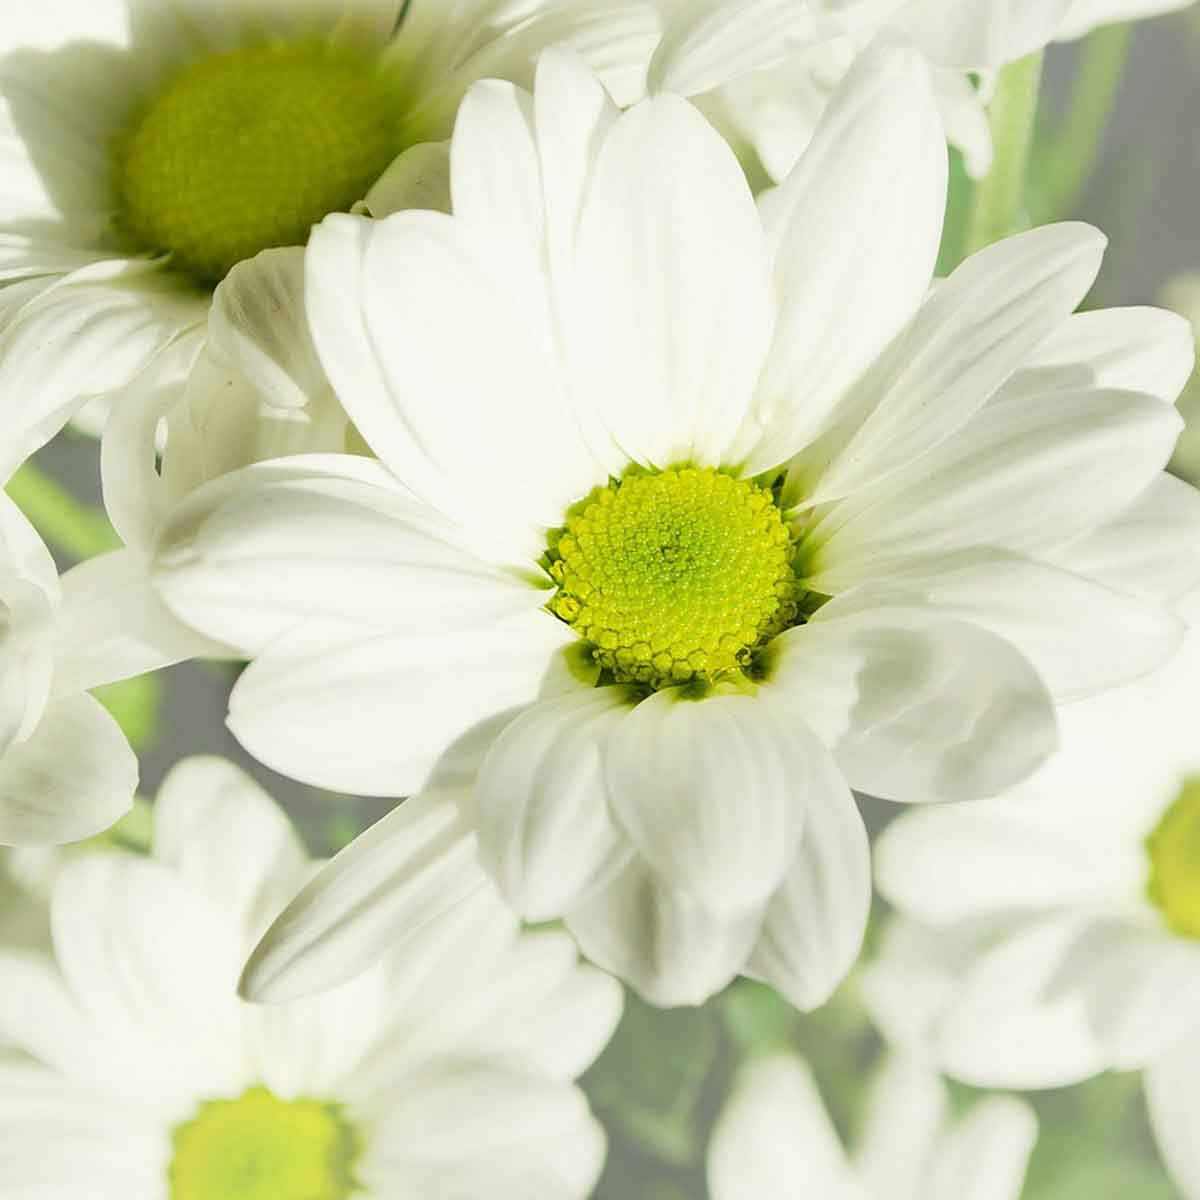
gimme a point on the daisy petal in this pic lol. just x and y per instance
(1172, 1088)
(405, 872)
(419, 178)
(917, 707)
(71, 779)
(986, 1155)
(975, 35)
(671, 310)
(545, 833)
(713, 793)
(414, 695)
(972, 333)
(851, 273)
(663, 944)
(815, 923)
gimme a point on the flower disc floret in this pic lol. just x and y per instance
(258, 1147)
(1174, 849)
(675, 576)
(249, 149)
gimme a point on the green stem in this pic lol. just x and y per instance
(1075, 147)
(998, 205)
(72, 528)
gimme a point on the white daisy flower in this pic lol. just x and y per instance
(447, 1071)
(765, 69)
(148, 148)
(710, 515)
(1063, 936)
(775, 1141)
(66, 770)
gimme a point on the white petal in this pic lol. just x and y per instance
(713, 793)
(985, 1156)
(258, 326)
(1085, 15)
(1148, 350)
(545, 832)
(404, 873)
(970, 335)
(850, 273)
(775, 1138)
(1173, 1092)
(1151, 549)
(710, 42)
(987, 859)
(1081, 637)
(418, 178)
(1094, 452)
(981, 34)
(671, 310)
(484, 435)
(815, 923)
(664, 945)
(113, 625)
(915, 707)
(906, 1110)
(224, 836)
(412, 696)
(72, 778)
(89, 335)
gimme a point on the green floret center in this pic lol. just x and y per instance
(1174, 849)
(259, 1147)
(249, 149)
(676, 576)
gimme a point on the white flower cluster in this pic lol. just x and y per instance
(621, 523)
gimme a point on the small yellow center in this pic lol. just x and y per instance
(675, 576)
(249, 149)
(259, 1147)
(1174, 848)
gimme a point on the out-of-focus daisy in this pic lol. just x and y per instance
(447, 1071)
(775, 1141)
(710, 514)
(1063, 936)
(146, 148)
(765, 69)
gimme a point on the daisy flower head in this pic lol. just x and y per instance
(447, 1071)
(764, 70)
(1063, 938)
(148, 148)
(706, 515)
(774, 1139)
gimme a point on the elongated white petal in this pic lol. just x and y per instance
(815, 923)
(410, 869)
(997, 857)
(73, 777)
(1082, 637)
(667, 947)
(1095, 452)
(977, 35)
(710, 42)
(414, 695)
(545, 831)
(671, 311)
(328, 538)
(1172, 1088)
(849, 271)
(713, 793)
(986, 1155)
(85, 337)
(418, 178)
(972, 333)
(775, 1136)
(1085, 15)
(917, 707)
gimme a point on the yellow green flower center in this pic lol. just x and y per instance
(249, 149)
(675, 576)
(259, 1147)
(1174, 848)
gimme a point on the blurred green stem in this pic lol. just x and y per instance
(71, 527)
(1071, 152)
(998, 205)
